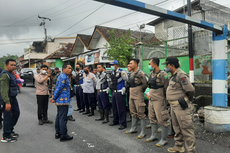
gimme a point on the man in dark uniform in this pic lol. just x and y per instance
(102, 87)
(78, 89)
(118, 78)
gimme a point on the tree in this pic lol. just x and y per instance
(120, 48)
(4, 58)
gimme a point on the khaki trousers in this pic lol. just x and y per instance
(137, 108)
(183, 127)
(158, 113)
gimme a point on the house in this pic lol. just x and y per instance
(177, 33)
(55, 59)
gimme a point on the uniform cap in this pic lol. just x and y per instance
(114, 62)
(171, 60)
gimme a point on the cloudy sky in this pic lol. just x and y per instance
(19, 22)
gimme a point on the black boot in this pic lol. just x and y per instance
(106, 120)
(70, 118)
(86, 112)
(101, 111)
(81, 111)
(91, 113)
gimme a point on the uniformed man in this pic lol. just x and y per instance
(78, 89)
(158, 113)
(102, 87)
(89, 84)
(179, 94)
(138, 84)
(118, 78)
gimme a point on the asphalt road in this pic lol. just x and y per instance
(89, 136)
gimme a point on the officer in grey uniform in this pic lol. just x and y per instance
(179, 94)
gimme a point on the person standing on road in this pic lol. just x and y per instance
(95, 91)
(103, 83)
(118, 78)
(9, 101)
(70, 110)
(78, 89)
(158, 113)
(56, 74)
(1, 107)
(62, 99)
(179, 94)
(42, 94)
(89, 84)
(138, 84)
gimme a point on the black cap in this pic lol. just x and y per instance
(38, 68)
(171, 60)
(56, 68)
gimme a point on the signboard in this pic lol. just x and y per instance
(89, 59)
(96, 58)
(81, 59)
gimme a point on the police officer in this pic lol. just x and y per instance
(118, 78)
(158, 113)
(138, 84)
(78, 89)
(179, 94)
(102, 87)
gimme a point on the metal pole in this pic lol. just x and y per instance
(190, 42)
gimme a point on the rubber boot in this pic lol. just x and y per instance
(134, 126)
(106, 120)
(153, 136)
(163, 140)
(91, 113)
(159, 129)
(148, 126)
(86, 112)
(142, 134)
(171, 131)
(176, 149)
(101, 111)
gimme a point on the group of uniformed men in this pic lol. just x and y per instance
(176, 90)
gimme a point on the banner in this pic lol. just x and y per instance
(81, 59)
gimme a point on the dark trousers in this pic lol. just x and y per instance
(61, 120)
(42, 101)
(10, 118)
(79, 97)
(96, 98)
(89, 100)
(1, 111)
(119, 108)
(103, 100)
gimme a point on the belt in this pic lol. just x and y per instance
(78, 85)
(116, 90)
(175, 102)
(102, 90)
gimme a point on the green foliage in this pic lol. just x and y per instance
(120, 48)
(4, 58)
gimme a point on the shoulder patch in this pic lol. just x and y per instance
(63, 81)
(184, 81)
(123, 73)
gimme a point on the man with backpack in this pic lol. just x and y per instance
(9, 101)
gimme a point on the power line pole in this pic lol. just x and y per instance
(43, 24)
(190, 43)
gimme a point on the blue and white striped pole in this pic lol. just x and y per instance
(219, 66)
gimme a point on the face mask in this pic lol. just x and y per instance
(113, 68)
(86, 71)
(43, 71)
(98, 73)
(77, 69)
(167, 70)
(150, 68)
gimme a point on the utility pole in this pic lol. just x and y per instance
(43, 24)
(190, 43)
(141, 27)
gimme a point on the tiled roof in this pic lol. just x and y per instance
(85, 39)
(62, 52)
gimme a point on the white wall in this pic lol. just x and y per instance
(101, 42)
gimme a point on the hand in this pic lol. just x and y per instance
(52, 101)
(8, 107)
(49, 75)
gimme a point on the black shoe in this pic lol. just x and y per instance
(101, 111)
(70, 118)
(91, 113)
(121, 127)
(66, 138)
(112, 124)
(81, 111)
(8, 139)
(87, 112)
(57, 136)
(77, 109)
(14, 135)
